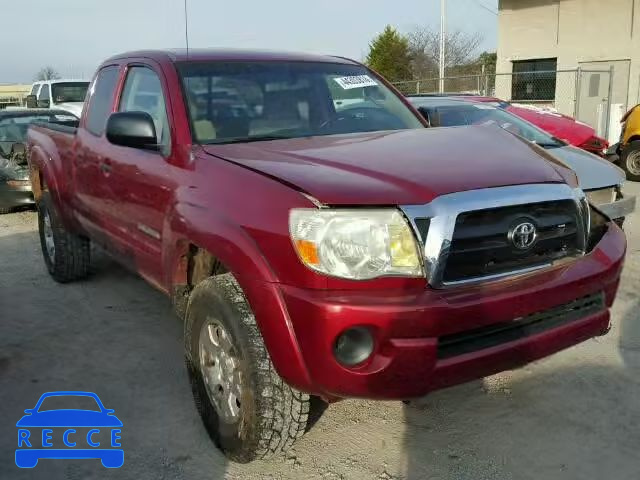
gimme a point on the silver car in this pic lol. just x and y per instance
(601, 180)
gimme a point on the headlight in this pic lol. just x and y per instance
(601, 196)
(356, 244)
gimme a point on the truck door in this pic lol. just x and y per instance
(91, 169)
(142, 181)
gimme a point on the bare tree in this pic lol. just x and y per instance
(461, 49)
(47, 73)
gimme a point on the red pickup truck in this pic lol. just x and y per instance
(318, 242)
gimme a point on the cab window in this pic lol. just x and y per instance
(143, 93)
(100, 100)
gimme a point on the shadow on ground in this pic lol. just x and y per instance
(572, 416)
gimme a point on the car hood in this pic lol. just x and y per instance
(69, 418)
(398, 167)
(558, 125)
(593, 172)
(72, 107)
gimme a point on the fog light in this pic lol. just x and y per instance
(353, 346)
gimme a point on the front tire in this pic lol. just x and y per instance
(65, 254)
(630, 161)
(247, 409)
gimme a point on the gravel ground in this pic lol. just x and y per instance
(575, 415)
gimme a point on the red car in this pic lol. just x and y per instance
(316, 239)
(561, 126)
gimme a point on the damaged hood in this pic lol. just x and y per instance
(398, 167)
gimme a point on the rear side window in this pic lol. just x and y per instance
(101, 98)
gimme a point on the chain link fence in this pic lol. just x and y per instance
(584, 94)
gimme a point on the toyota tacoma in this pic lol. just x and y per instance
(318, 241)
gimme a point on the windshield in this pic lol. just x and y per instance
(252, 101)
(69, 91)
(482, 113)
(69, 402)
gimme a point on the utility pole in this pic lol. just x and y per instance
(443, 31)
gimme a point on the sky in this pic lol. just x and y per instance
(74, 36)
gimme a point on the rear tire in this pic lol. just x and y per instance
(630, 161)
(65, 254)
(266, 416)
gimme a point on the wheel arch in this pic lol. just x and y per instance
(633, 138)
(42, 175)
(194, 255)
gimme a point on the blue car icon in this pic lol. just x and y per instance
(36, 432)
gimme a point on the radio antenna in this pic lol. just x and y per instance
(186, 26)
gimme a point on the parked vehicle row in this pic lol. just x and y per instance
(316, 240)
(601, 181)
(564, 127)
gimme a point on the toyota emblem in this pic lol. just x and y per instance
(523, 235)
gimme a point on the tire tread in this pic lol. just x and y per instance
(73, 252)
(282, 413)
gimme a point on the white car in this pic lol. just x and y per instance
(61, 94)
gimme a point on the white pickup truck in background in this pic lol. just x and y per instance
(60, 94)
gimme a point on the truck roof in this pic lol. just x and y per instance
(222, 54)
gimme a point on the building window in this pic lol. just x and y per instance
(594, 85)
(534, 79)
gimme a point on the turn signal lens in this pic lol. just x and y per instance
(308, 252)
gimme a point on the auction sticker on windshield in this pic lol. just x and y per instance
(356, 81)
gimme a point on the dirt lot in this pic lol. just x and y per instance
(575, 415)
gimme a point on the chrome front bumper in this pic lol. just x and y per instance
(618, 209)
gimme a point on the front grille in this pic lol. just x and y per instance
(481, 245)
(487, 337)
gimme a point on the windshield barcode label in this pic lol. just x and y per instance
(356, 81)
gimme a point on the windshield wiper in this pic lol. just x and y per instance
(258, 138)
(548, 144)
(555, 142)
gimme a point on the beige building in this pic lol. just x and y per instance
(591, 35)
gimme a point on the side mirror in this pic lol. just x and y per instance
(29, 411)
(44, 103)
(31, 101)
(132, 129)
